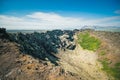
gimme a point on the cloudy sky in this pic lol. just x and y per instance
(58, 14)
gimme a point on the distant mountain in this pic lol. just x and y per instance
(103, 28)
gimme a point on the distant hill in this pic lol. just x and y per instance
(103, 28)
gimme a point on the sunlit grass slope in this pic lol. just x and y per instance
(88, 42)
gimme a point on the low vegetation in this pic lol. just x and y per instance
(113, 71)
(92, 43)
(88, 42)
(102, 53)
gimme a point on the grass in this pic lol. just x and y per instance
(88, 42)
(102, 53)
(113, 71)
(91, 43)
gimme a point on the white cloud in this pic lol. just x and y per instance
(40, 20)
(117, 11)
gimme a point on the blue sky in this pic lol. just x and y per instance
(74, 13)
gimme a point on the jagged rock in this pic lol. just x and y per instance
(41, 45)
(3, 34)
(71, 47)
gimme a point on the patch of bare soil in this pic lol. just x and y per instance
(8, 54)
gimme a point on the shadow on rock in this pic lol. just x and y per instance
(44, 45)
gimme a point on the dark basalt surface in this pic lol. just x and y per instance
(44, 45)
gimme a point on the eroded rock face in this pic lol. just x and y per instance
(16, 66)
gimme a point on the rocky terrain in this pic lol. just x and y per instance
(56, 55)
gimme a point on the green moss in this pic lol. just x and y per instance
(113, 71)
(102, 53)
(88, 42)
